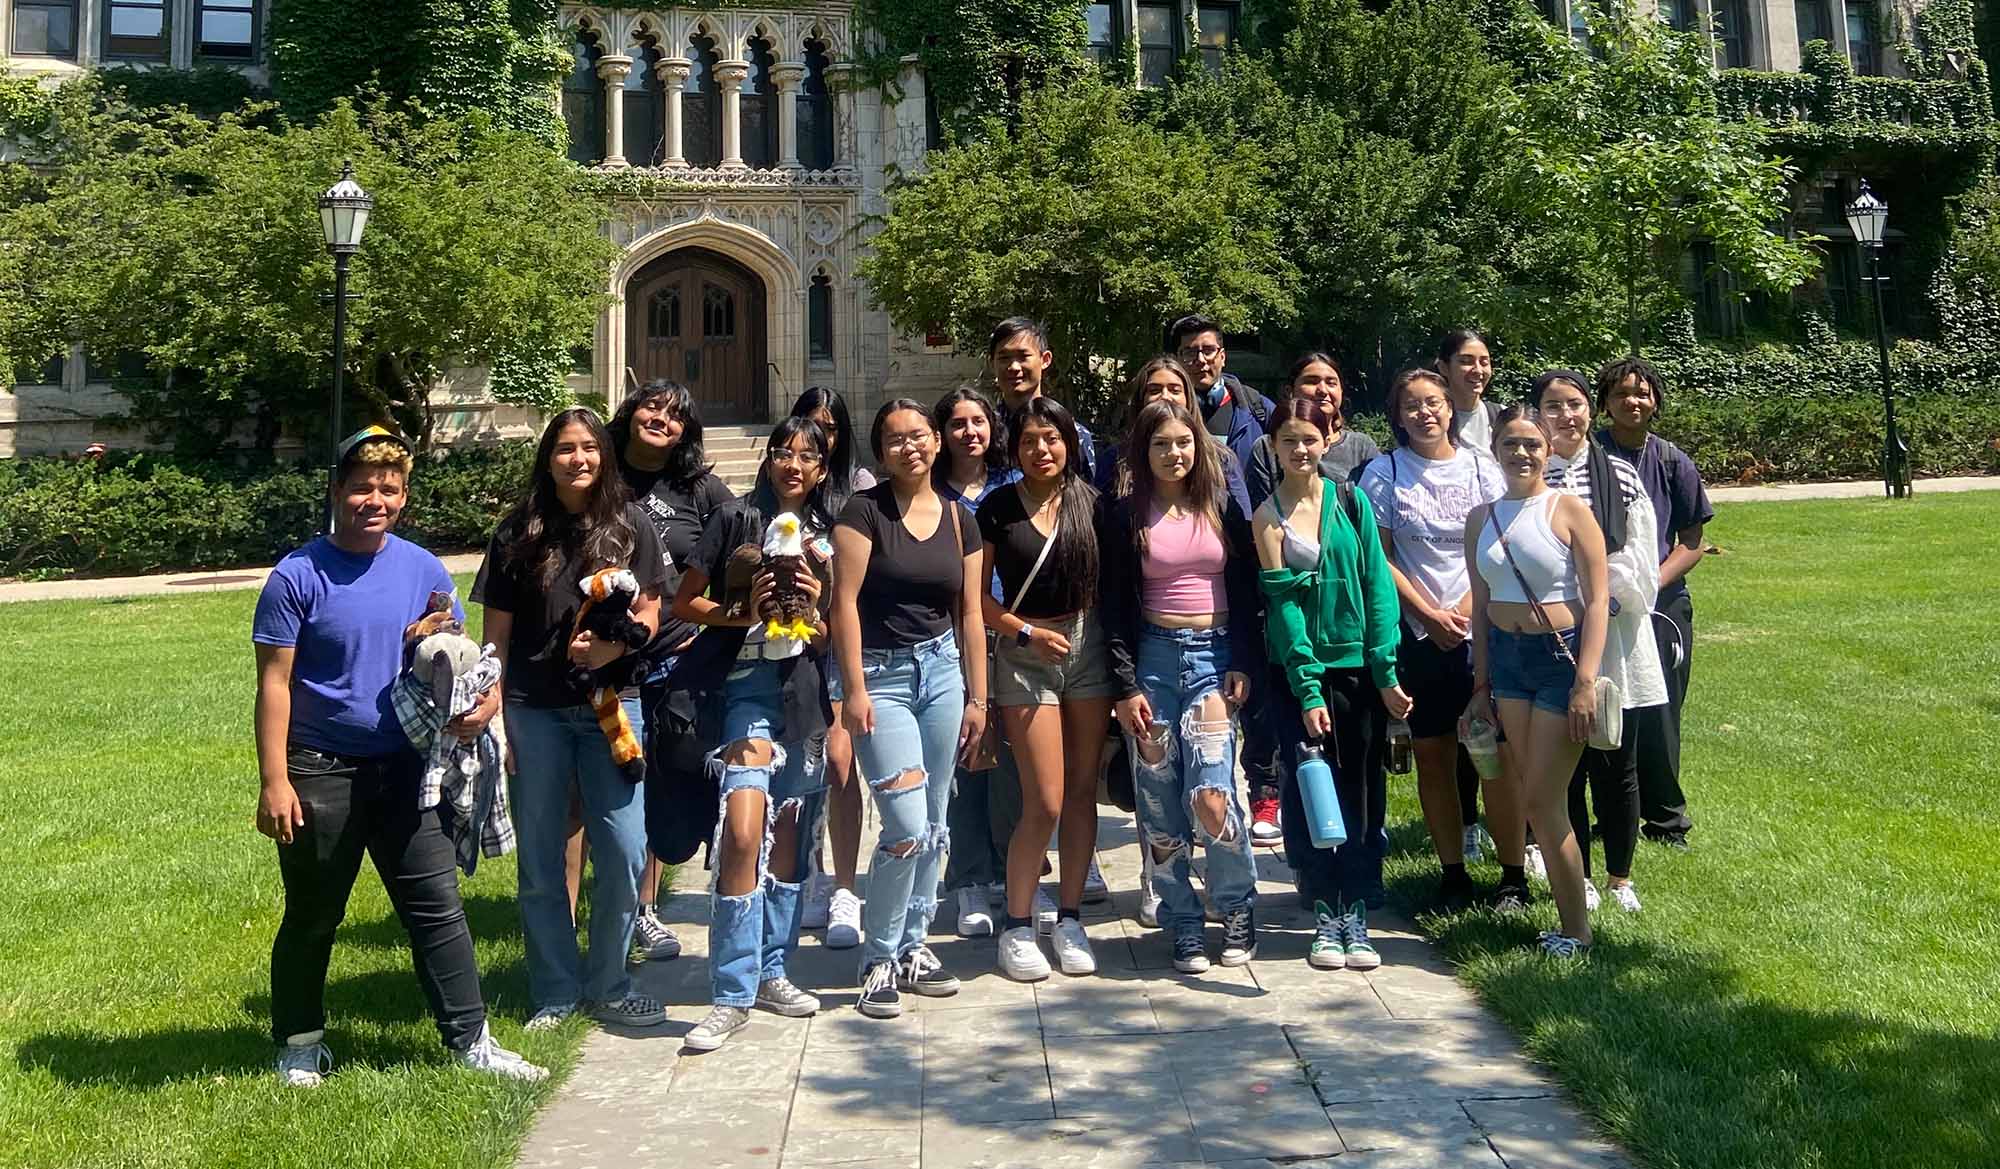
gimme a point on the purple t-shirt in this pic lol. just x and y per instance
(343, 616)
(1673, 484)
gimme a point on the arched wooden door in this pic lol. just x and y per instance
(697, 317)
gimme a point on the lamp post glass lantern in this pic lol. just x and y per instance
(1868, 219)
(343, 217)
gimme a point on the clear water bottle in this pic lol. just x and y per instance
(1399, 747)
(1483, 744)
(1322, 804)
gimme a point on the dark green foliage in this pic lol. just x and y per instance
(979, 56)
(148, 513)
(451, 57)
(210, 91)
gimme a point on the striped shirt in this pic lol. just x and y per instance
(1574, 478)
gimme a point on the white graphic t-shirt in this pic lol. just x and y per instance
(1424, 502)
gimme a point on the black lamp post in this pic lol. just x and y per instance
(1867, 218)
(343, 215)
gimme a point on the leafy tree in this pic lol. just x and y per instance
(1097, 223)
(1625, 159)
(197, 246)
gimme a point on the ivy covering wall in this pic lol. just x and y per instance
(454, 57)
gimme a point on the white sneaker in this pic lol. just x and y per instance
(819, 902)
(303, 1065)
(1538, 869)
(1626, 896)
(1094, 888)
(1072, 948)
(486, 1055)
(975, 913)
(1045, 911)
(1591, 898)
(549, 1018)
(1473, 853)
(843, 925)
(1021, 955)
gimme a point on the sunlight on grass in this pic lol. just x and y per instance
(140, 907)
(1813, 984)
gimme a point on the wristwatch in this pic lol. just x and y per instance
(1026, 635)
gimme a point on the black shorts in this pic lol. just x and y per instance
(1438, 681)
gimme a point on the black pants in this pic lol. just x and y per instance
(1662, 804)
(1613, 777)
(1468, 788)
(353, 805)
(683, 798)
(984, 811)
(1261, 753)
(1352, 872)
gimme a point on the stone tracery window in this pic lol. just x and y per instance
(644, 103)
(759, 109)
(583, 101)
(701, 105)
(819, 317)
(815, 110)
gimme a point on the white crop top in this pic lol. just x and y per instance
(1542, 558)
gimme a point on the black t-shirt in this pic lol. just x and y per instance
(911, 591)
(538, 647)
(1017, 544)
(678, 510)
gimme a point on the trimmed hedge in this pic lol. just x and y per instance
(145, 513)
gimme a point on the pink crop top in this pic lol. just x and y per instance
(1184, 566)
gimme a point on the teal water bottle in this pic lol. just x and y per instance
(1322, 803)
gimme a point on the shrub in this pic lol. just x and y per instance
(148, 513)
(1778, 439)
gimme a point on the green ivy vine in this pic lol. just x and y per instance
(977, 55)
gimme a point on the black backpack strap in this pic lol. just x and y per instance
(1607, 496)
(1260, 406)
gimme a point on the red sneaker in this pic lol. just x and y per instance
(1264, 823)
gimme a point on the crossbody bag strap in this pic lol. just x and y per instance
(1036, 571)
(1534, 603)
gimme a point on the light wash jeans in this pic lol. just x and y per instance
(553, 747)
(750, 935)
(1177, 669)
(919, 699)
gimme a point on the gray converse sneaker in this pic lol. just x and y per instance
(714, 1031)
(780, 997)
(634, 1010)
(550, 1018)
(486, 1055)
(303, 1065)
(652, 940)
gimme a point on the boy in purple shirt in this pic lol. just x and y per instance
(340, 779)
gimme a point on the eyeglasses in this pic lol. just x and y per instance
(795, 458)
(1201, 353)
(897, 442)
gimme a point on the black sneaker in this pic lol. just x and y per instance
(920, 972)
(1190, 953)
(1239, 937)
(1512, 898)
(1457, 894)
(1678, 841)
(879, 999)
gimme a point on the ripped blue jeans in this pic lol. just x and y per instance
(749, 935)
(919, 698)
(1183, 755)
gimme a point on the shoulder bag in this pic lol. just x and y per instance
(1610, 728)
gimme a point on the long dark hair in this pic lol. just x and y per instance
(1204, 480)
(687, 461)
(996, 446)
(1137, 399)
(1458, 339)
(1404, 381)
(818, 507)
(839, 480)
(1075, 554)
(545, 534)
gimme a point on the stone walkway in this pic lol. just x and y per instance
(1265, 1065)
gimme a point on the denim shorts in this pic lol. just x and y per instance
(1524, 667)
(1022, 677)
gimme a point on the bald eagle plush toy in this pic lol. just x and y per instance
(788, 612)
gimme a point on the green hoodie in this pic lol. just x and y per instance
(1341, 615)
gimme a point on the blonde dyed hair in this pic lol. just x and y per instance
(378, 454)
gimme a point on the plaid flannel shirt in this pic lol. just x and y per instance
(468, 778)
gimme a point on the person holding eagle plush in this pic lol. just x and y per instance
(756, 584)
(571, 585)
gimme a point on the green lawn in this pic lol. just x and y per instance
(137, 906)
(1817, 983)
